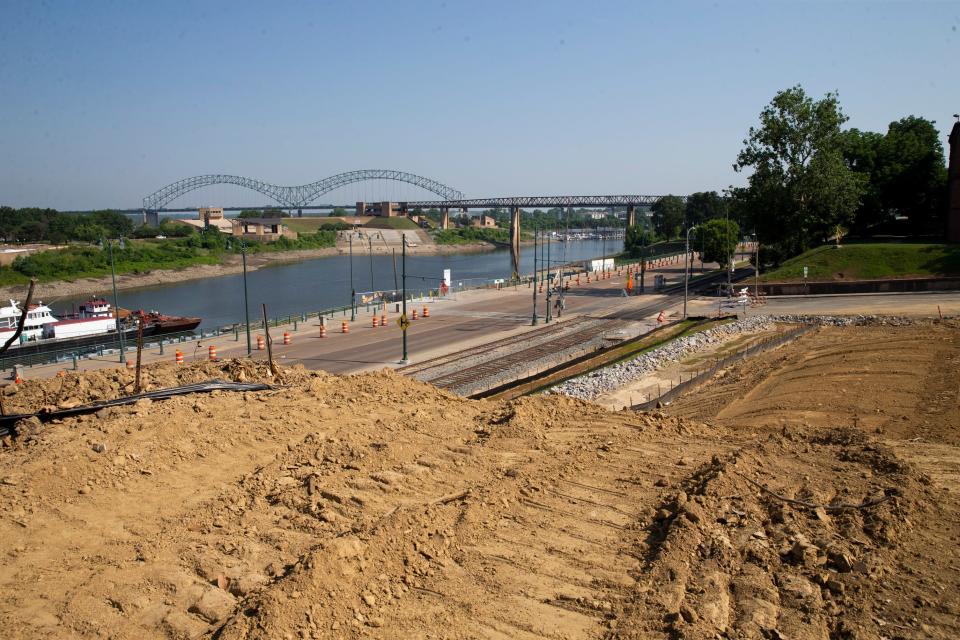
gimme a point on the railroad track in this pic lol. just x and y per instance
(567, 335)
(458, 356)
(496, 366)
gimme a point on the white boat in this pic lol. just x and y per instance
(95, 317)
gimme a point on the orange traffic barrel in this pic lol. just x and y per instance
(426, 311)
(130, 364)
(376, 322)
(261, 343)
(286, 337)
(383, 320)
(344, 327)
(18, 379)
(178, 356)
(212, 353)
(323, 331)
(413, 316)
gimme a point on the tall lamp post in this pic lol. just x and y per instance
(686, 272)
(370, 250)
(534, 280)
(403, 329)
(116, 302)
(353, 292)
(246, 296)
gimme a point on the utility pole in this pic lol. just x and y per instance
(403, 317)
(353, 292)
(370, 251)
(534, 281)
(686, 271)
(549, 279)
(116, 303)
(643, 257)
(726, 216)
(756, 265)
(246, 297)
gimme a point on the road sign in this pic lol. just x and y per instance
(403, 322)
(804, 272)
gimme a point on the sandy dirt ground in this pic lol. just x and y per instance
(231, 264)
(380, 507)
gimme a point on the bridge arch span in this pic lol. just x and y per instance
(294, 196)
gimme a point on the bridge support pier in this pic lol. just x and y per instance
(444, 218)
(515, 241)
(151, 218)
(631, 215)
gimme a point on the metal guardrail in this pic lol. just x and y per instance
(110, 345)
(684, 385)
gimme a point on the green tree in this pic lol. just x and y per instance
(338, 212)
(704, 205)
(634, 240)
(861, 151)
(800, 188)
(718, 238)
(912, 174)
(668, 213)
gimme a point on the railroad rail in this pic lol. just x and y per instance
(568, 334)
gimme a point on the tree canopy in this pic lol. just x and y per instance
(48, 225)
(801, 188)
(668, 214)
(905, 173)
(703, 206)
(718, 239)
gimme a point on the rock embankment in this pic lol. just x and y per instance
(595, 383)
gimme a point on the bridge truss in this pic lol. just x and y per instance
(527, 202)
(295, 196)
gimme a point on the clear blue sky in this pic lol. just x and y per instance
(104, 102)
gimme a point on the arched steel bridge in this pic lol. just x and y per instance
(298, 196)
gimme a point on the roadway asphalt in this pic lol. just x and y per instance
(477, 317)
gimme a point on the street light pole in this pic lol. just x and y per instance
(534, 281)
(403, 317)
(686, 272)
(726, 215)
(756, 265)
(246, 296)
(116, 303)
(643, 258)
(353, 292)
(370, 250)
(549, 267)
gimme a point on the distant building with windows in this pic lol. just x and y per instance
(261, 229)
(208, 217)
(484, 221)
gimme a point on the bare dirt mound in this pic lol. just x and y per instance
(376, 506)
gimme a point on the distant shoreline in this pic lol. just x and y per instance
(232, 264)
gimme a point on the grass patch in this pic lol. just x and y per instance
(399, 223)
(307, 225)
(870, 261)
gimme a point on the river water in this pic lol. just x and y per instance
(323, 283)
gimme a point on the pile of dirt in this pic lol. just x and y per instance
(378, 506)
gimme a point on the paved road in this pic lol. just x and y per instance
(479, 317)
